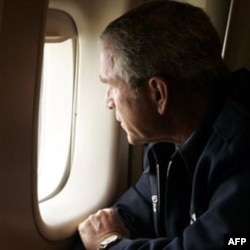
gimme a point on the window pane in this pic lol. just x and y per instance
(55, 117)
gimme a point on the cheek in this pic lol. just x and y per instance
(123, 105)
(134, 117)
(130, 110)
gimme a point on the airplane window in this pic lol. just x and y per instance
(56, 114)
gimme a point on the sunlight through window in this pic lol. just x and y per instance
(55, 117)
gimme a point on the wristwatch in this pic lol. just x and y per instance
(109, 241)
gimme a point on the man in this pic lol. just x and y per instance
(168, 86)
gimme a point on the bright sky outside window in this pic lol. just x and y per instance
(56, 106)
(55, 117)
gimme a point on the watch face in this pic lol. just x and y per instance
(109, 241)
(111, 238)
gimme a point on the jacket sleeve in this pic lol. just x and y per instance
(135, 209)
(228, 213)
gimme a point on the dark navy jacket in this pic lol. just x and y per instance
(189, 197)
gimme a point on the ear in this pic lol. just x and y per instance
(159, 92)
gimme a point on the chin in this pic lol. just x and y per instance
(131, 139)
(135, 140)
(132, 142)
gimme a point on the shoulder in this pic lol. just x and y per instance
(239, 88)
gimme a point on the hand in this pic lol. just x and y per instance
(99, 226)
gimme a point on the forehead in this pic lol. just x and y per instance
(106, 63)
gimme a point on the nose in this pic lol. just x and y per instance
(109, 102)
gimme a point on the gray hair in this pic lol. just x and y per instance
(169, 39)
